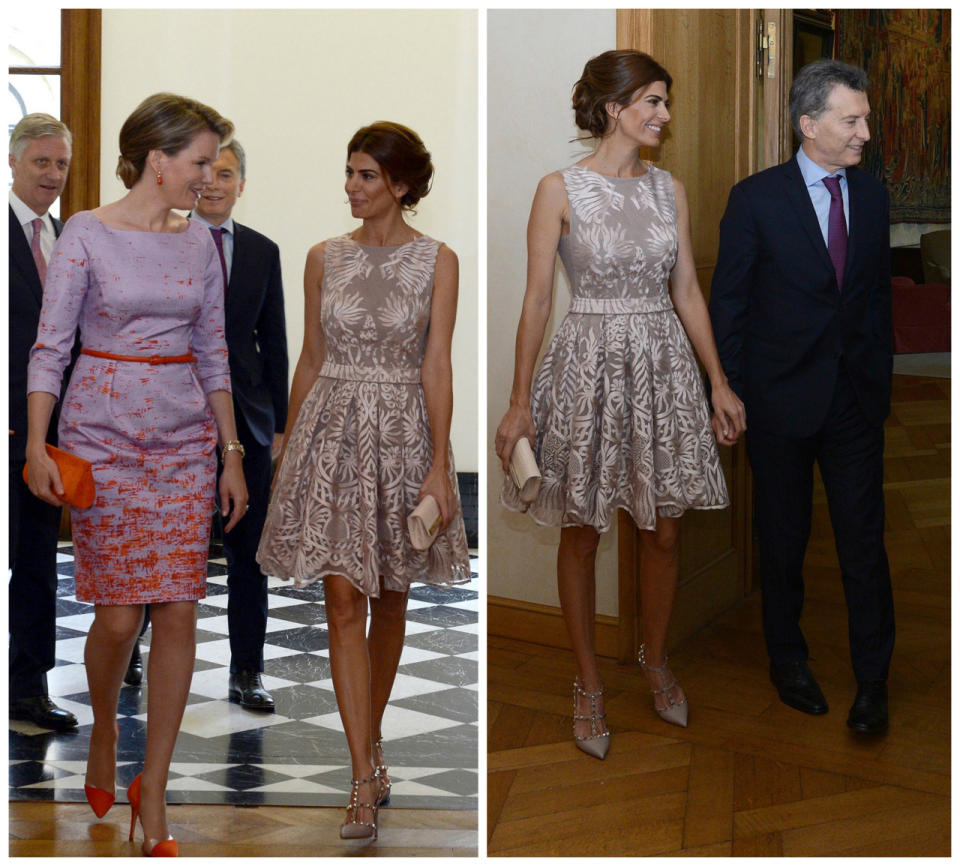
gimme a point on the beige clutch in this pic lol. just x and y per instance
(524, 471)
(423, 523)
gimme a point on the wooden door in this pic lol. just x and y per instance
(714, 140)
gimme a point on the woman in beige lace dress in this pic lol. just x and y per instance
(368, 438)
(617, 415)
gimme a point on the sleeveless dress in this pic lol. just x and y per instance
(147, 428)
(361, 447)
(618, 403)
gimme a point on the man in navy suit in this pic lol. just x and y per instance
(257, 345)
(800, 304)
(40, 152)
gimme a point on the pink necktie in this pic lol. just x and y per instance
(41, 262)
(218, 240)
(836, 228)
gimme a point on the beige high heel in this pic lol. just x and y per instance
(676, 711)
(597, 744)
(383, 798)
(353, 827)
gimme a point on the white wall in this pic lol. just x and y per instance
(533, 60)
(297, 84)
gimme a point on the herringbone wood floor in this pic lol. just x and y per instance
(70, 830)
(751, 776)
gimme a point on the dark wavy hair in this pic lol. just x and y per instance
(400, 152)
(614, 76)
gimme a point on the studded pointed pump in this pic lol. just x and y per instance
(663, 682)
(597, 742)
(353, 827)
(383, 797)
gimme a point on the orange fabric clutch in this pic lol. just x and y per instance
(76, 475)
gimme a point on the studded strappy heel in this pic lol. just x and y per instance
(597, 743)
(383, 797)
(353, 827)
(675, 711)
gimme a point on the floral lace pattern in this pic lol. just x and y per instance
(618, 403)
(361, 445)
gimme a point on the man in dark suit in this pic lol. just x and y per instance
(40, 152)
(257, 344)
(800, 304)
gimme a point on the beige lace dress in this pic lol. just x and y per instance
(618, 403)
(361, 446)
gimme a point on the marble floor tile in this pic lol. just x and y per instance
(296, 756)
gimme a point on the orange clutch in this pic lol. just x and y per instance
(76, 475)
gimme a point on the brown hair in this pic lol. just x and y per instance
(164, 122)
(614, 76)
(400, 153)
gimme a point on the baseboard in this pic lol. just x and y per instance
(543, 624)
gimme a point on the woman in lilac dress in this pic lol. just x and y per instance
(148, 397)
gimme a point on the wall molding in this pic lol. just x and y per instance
(543, 624)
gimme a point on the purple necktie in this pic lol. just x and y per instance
(836, 228)
(38, 258)
(218, 240)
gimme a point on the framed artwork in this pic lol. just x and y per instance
(906, 53)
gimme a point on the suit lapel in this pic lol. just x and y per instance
(858, 215)
(239, 253)
(799, 199)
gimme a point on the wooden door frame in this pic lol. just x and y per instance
(80, 53)
(635, 29)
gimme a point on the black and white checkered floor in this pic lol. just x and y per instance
(298, 755)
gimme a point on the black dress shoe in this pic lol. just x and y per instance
(798, 688)
(869, 711)
(134, 674)
(42, 712)
(247, 689)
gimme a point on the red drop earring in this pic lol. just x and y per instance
(159, 179)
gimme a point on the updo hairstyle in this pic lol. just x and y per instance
(614, 76)
(164, 122)
(400, 153)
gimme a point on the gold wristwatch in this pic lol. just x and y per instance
(232, 445)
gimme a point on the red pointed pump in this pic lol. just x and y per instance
(150, 847)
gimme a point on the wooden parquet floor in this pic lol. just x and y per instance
(750, 776)
(70, 830)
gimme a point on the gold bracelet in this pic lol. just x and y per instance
(232, 445)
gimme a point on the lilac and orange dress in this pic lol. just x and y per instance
(147, 427)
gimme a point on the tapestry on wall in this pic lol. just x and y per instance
(906, 53)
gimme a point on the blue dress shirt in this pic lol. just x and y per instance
(813, 176)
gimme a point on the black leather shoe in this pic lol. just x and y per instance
(134, 674)
(42, 712)
(247, 689)
(798, 688)
(869, 711)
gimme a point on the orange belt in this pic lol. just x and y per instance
(189, 358)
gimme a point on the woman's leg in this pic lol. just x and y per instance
(170, 670)
(107, 651)
(350, 667)
(659, 574)
(576, 584)
(388, 622)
